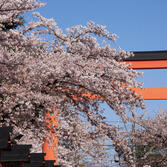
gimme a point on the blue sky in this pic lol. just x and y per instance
(140, 25)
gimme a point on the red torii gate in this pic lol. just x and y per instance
(141, 60)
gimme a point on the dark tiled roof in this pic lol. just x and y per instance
(19, 155)
(4, 136)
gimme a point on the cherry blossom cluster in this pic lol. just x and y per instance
(63, 71)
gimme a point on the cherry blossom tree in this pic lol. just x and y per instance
(70, 71)
(149, 139)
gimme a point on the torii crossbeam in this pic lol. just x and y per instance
(141, 60)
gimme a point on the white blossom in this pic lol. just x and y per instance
(37, 74)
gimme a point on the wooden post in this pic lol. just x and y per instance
(51, 148)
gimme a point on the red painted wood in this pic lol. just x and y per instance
(154, 64)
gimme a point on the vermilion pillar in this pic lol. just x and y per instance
(51, 148)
